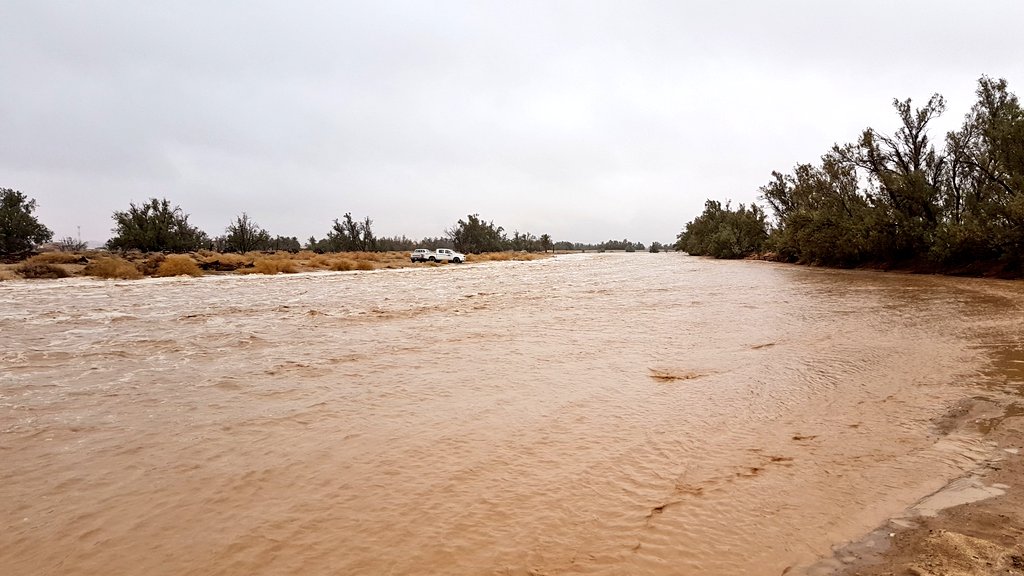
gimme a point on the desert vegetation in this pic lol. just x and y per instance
(893, 200)
(134, 265)
(111, 267)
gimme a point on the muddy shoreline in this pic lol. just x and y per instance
(974, 525)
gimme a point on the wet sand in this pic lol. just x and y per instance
(972, 526)
(586, 414)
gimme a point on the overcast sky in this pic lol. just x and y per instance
(586, 120)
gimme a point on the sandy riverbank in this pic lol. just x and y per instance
(973, 526)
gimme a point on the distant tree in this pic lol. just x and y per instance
(20, 231)
(155, 227)
(285, 243)
(245, 235)
(656, 247)
(69, 244)
(475, 235)
(368, 241)
(545, 242)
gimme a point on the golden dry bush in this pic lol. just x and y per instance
(41, 270)
(55, 258)
(306, 255)
(272, 266)
(6, 275)
(178, 265)
(112, 267)
(364, 265)
(318, 261)
(342, 264)
(503, 256)
(150, 264)
(226, 262)
(368, 256)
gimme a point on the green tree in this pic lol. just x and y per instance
(244, 235)
(20, 231)
(475, 235)
(906, 173)
(286, 243)
(984, 202)
(369, 242)
(723, 232)
(155, 227)
(546, 243)
(820, 214)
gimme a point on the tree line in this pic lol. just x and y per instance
(892, 199)
(158, 226)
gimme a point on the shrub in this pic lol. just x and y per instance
(342, 265)
(178, 265)
(364, 265)
(226, 262)
(6, 275)
(273, 266)
(41, 270)
(150, 264)
(503, 256)
(112, 267)
(54, 258)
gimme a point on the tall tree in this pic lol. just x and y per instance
(155, 227)
(906, 173)
(244, 235)
(366, 227)
(20, 231)
(475, 235)
(819, 214)
(985, 199)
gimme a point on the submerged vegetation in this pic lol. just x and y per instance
(893, 200)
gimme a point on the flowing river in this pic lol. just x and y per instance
(583, 414)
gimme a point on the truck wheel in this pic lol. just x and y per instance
(432, 259)
(457, 261)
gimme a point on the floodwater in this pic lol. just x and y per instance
(586, 414)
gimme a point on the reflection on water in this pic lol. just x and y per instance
(589, 414)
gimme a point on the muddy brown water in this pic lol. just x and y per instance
(587, 414)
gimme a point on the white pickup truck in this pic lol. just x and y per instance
(439, 255)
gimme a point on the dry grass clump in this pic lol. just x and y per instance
(150, 264)
(317, 260)
(277, 255)
(178, 265)
(370, 256)
(504, 256)
(6, 275)
(31, 269)
(55, 258)
(341, 264)
(272, 266)
(365, 265)
(112, 267)
(226, 262)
